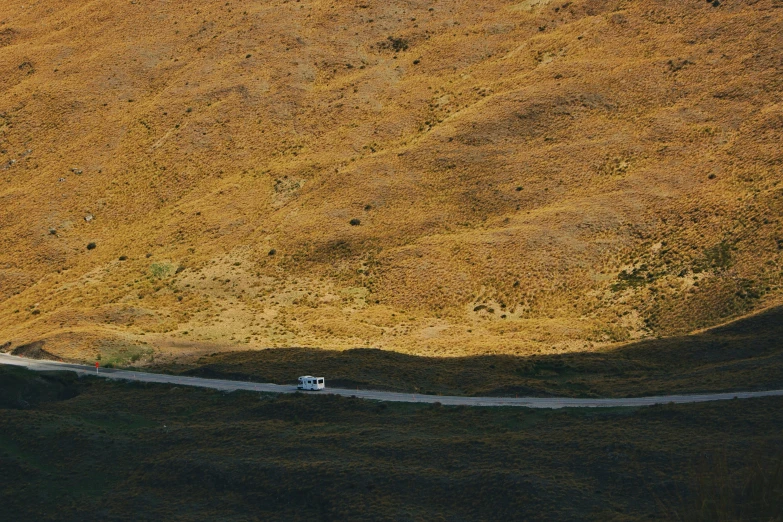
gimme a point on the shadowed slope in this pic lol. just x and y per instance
(744, 355)
(125, 451)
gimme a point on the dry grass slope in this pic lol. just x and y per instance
(523, 177)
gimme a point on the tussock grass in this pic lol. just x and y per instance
(646, 139)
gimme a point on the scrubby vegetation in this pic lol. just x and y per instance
(525, 177)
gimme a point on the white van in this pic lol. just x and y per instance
(308, 382)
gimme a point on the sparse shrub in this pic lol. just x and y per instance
(747, 289)
(91, 246)
(679, 63)
(612, 333)
(631, 279)
(719, 256)
(397, 44)
(355, 222)
(160, 270)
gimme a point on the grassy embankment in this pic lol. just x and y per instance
(122, 451)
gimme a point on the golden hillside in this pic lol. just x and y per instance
(521, 177)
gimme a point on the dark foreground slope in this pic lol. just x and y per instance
(21, 389)
(744, 355)
(120, 451)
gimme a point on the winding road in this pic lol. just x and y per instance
(528, 402)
